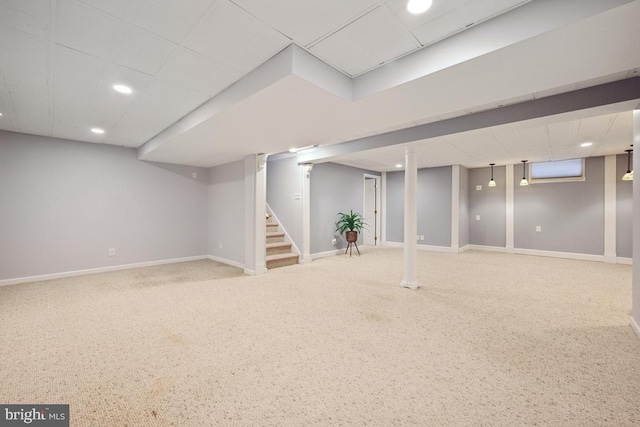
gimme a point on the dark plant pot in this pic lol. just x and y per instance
(352, 236)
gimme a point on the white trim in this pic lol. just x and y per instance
(455, 207)
(428, 248)
(465, 248)
(306, 213)
(226, 261)
(40, 278)
(249, 272)
(623, 260)
(553, 254)
(635, 326)
(509, 188)
(487, 248)
(383, 208)
(378, 214)
(287, 238)
(609, 207)
(326, 254)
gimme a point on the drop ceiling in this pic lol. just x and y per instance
(60, 58)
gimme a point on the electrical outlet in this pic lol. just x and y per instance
(422, 237)
(478, 187)
(538, 228)
(297, 196)
(477, 217)
(195, 175)
(112, 252)
(219, 245)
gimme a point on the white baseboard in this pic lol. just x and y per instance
(463, 249)
(226, 261)
(553, 254)
(623, 260)
(487, 248)
(326, 254)
(635, 327)
(429, 248)
(16, 281)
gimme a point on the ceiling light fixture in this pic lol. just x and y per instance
(399, 165)
(417, 7)
(586, 144)
(524, 175)
(123, 89)
(628, 176)
(492, 183)
(97, 130)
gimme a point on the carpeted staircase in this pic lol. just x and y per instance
(279, 252)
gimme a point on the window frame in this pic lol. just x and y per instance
(580, 178)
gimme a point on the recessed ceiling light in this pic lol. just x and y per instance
(97, 130)
(399, 165)
(0, 114)
(417, 7)
(122, 89)
(586, 144)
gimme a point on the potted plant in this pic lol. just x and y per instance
(350, 224)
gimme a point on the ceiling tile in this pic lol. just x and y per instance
(233, 37)
(194, 71)
(29, 16)
(306, 21)
(366, 43)
(87, 30)
(170, 19)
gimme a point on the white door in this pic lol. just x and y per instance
(370, 214)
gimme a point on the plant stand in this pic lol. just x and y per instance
(351, 247)
(352, 238)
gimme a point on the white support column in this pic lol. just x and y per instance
(306, 212)
(610, 179)
(383, 209)
(255, 191)
(509, 188)
(635, 299)
(410, 279)
(455, 208)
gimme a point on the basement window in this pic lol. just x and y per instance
(557, 171)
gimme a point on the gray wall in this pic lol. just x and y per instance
(624, 211)
(434, 206)
(63, 204)
(226, 212)
(334, 188)
(571, 213)
(463, 227)
(284, 181)
(490, 204)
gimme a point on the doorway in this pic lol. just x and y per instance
(371, 210)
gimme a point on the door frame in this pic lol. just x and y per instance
(378, 216)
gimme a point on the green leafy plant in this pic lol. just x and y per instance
(352, 221)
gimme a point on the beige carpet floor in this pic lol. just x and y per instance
(488, 340)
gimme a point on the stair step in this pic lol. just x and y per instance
(278, 248)
(272, 226)
(281, 260)
(274, 237)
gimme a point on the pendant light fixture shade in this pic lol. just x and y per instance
(628, 176)
(524, 174)
(492, 183)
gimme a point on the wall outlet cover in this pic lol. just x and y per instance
(477, 217)
(478, 187)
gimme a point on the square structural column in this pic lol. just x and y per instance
(255, 201)
(410, 278)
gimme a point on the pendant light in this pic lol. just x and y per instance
(492, 183)
(628, 176)
(524, 175)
